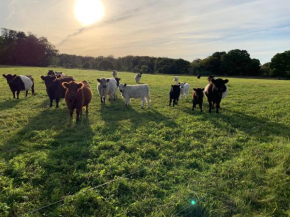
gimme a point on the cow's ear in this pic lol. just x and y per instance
(184, 82)
(194, 89)
(42, 77)
(226, 81)
(99, 80)
(213, 80)
(119, 79)
(5, 76)
(178, 82)
(14, 75)
(125, 85)
(202, 89)
(80, 86)
(172, 86)
(65, 85)
(108, 80)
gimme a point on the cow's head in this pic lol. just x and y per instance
(103, 82)
(50, 72)
(48, 80)
(182, 85)
(72, 88)
(199, 92)
(118, 81)
(9, 78)
(210, 77)
(58, 74)
(219, 85)
(175, 88)
(122, 87)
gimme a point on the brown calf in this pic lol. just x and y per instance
(197, 97)
(77, 95)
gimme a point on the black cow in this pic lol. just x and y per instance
(54, 87)
(215, 91)
(18, 83)
(50, 72)
(197, 97)
(174, 94)
(118, 81)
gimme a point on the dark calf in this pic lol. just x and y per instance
(19, 83)
(118, 81)
(50, 72)
(214, 92)
(54, 87)
(197, 97)
(174, 94)
(77, 96)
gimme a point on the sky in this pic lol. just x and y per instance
(187, 29)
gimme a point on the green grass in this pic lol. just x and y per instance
(235, 163)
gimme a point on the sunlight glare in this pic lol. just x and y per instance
(88, 12)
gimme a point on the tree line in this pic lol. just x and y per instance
(19, 48)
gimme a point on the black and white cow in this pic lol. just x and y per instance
(19, 83)
(215, 91)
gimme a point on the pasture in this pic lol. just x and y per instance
(235, 163)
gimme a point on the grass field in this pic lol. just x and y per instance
(235, 163)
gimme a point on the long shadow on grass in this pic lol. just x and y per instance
(50, 149)
(117, 113)
(9, 104)
(261, 128)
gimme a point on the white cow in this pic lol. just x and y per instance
(184, 89)
(175, 79)
(135, 91)
(114, 73)
(138, 77)
(107, 87)
(59, 74)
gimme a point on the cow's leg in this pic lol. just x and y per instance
(18, 91)
(210, 106)
(200, 106)
(78, 115)
(218, 105)
(170, 100)
(101, 100)
(147, 98)
(71, 113)
(193, 105)
(127, 101)
(26, 92)
(57, 101)
(13, 92)
(87, 109)
(32, 89)
(51, 100)
(104, 100)
(143, 101)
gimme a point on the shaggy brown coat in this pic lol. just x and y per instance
(77, 95)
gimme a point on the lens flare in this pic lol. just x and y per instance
(88, 12)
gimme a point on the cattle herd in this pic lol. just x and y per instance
(79, 94)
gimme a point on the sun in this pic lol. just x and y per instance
(88, 12)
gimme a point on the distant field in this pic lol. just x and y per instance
(235, 163)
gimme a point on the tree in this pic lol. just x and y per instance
(236, 62)
(106, 64)
(266, 70)
(280, 64)
(86, 65)
(145, 68)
